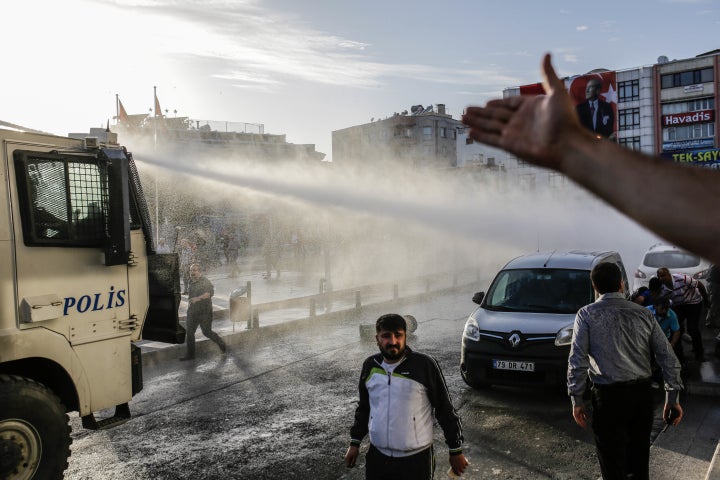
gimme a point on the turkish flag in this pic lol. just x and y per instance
(158, 110)
(122, 115)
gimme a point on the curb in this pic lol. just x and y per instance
(714, 469)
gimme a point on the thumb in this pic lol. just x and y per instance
(551, 82)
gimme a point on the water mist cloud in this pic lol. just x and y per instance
(432, 204)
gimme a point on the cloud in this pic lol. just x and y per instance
(260, 49)
(582, 28)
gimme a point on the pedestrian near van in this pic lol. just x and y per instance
(200, 312)
(400, 389)
(688, 297)
(614, 342)
(667, 319)
(712, 320)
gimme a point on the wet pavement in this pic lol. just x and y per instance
(684, 447)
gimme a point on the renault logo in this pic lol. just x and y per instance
(514, 340)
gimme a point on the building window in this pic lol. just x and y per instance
(427, 133)
(454, 134)
(403, 131)
(628, 91)
(689, 132)
(443, 132)
(629, 118)
(691, 77)
(633, 143)
(689, 106)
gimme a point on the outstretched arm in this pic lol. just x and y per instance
(674, 201)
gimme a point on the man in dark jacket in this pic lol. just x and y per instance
(399, 391)
(200, 311)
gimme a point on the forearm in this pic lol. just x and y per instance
(676, 207)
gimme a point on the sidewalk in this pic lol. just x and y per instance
(291, 284)
(690, 445)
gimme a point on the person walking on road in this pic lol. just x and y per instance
(614, 341)
(399, 390)
(200, 312)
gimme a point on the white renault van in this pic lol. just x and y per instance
(520, 334)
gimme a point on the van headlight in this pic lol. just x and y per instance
(471, 329)
(564, 336)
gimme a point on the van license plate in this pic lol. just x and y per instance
(514, 365)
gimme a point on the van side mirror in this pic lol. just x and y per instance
(478, 297)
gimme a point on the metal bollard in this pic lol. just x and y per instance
(239, 306)
(358, 302)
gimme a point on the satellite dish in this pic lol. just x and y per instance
(417, 108)
(662, 59)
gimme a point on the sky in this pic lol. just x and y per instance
(306, 68)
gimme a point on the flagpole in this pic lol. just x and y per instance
(157, 196)
(117, 108)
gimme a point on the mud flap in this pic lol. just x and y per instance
(162, 323)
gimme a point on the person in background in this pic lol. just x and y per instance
(231, 249)
(668, 320)
(399, 391)
(200, 312)
(162, 247)
(688, 297)
(545, 131)
(646, 296)
(187, 257)
(271, 252)
(613, 344)
(713, 289)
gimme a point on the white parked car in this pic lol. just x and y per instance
(675, 259)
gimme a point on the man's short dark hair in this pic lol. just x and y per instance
(663, 301)
(606, 277)
(390, 322)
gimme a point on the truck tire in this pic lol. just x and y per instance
(34, 431)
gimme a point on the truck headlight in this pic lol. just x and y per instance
(471, 329)
(564, 336)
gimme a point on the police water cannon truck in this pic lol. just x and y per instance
(80, 285)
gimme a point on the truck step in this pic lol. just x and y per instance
(122, 415)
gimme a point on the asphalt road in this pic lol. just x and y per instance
(280, 406)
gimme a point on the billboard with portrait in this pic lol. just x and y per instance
(595, 98)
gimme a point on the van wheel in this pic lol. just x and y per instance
(34, 431)
(470, 381)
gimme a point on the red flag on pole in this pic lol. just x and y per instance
(158, 110)
(122, 114)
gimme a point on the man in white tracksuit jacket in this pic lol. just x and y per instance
(399, 391)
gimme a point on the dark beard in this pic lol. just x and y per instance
(391, 355)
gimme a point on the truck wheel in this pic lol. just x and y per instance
(34, 431)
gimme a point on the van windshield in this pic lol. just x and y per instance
(540, 290)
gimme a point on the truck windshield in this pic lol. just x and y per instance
(540, 290)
